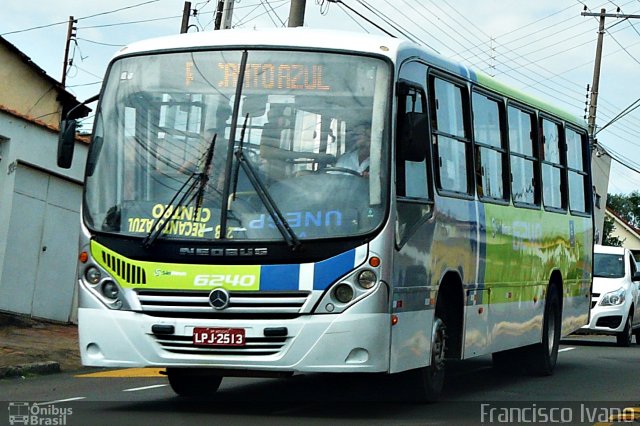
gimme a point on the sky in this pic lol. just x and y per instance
(544, 47)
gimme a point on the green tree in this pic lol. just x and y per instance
(607, 238)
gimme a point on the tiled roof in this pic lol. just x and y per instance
(39, 123)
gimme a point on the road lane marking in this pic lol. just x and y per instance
(629, 414)
(127, 372)
(77, 398)
(565, 349)
(144, 388)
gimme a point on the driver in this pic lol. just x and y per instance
(357, 159)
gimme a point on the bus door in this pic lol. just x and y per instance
(412, 288)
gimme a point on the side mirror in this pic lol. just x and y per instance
(66, 143)
(413, 136)
(636, 276)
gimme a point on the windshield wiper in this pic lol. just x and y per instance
(197, 179)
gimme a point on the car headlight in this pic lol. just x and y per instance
(613, 298)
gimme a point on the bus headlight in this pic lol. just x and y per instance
(92, 275)
(110, 290)
(367, 279)
(343, 293)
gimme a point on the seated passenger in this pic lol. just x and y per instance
(357, 158)
(275, 146)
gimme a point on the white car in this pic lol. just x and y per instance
(615, 296)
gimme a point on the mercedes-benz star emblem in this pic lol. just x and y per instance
(219, 299)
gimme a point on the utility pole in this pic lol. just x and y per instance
(70, 34)
(227, 13)
(593, 105)
(296, 13)
(218, 19)
(596, 76)
(186, 12)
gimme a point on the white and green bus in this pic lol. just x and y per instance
(291, 201)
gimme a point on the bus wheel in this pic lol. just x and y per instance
(193, 382)
(542, 357)
(427, 382)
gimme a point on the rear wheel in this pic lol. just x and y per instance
(624, 337)
(426, 383)
(193, 382)
(542, 357)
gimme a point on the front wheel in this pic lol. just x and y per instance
(624, 338)
(427, 382)
(542, 357)
(193, 382)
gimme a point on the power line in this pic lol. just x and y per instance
(84, 17)
(99, 42)
(131, 22)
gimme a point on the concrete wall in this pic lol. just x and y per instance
(28, 147)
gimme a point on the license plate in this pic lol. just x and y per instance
(206, 336)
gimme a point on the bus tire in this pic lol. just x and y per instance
(542, 357)
(427, 382)
(193, 382)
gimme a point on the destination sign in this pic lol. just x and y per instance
(274, 76)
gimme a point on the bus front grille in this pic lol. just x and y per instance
(255, 346)
(197, 302)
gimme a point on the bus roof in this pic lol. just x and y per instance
(306, 38)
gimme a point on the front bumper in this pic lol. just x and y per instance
(606, 320)
(349, 342)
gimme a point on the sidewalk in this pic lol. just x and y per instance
(29, 346)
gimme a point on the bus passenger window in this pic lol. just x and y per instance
(524, 189)
(552, 169)
(491, 154)
(450, 135)
(578, 181)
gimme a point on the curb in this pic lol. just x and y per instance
(46, 367)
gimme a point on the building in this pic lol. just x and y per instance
(627, 233)
(40, 202)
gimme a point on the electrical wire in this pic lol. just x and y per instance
(78, 19)
(130, 22)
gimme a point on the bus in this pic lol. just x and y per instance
(223, 235)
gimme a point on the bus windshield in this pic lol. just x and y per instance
(315, 130)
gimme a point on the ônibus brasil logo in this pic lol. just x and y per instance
(26, 413)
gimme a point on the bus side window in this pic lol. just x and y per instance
(490, 149)
(449, 106)
(412, 142)
(577, 170)
(524, 162)
(553, 170)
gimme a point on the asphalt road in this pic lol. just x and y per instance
(593, 380)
